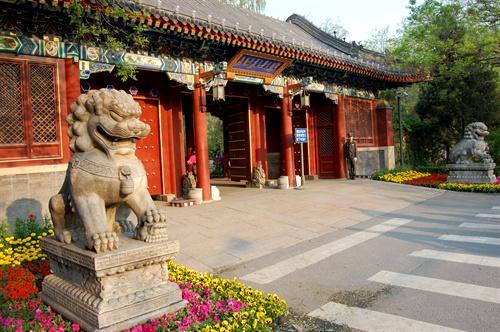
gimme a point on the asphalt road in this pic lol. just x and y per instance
(432, 266)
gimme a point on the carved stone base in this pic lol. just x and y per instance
(471, 173)
(110, 291)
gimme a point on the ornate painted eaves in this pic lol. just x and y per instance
(175, 16)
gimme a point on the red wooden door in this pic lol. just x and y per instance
(325, 144)
(149, 148)
(236, 123)
(299, 121)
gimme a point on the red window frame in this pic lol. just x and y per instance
(357, 109)
(31, 150)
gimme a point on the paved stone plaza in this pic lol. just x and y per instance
(367, 255)
(250, 223)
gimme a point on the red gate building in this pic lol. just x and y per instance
(265, 66)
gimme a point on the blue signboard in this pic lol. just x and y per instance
(260, 65)
(300, 135)
(255, 64)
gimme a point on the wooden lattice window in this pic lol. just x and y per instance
(359, 120)
(11, 104)
(43, 103)
(325, 132)
(29, 108)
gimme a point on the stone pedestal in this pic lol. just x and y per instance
(471, 173)
(196, 194)
(283, 182)
(114, 290)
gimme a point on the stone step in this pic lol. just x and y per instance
(182, 203)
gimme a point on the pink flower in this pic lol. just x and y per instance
(19, 329)
(32, 304)
(185, 322)
(38, 314)
(7, 321)
(147, 328)
(205, 308)
(219, 305)
(75, 327)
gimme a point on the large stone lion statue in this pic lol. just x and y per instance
(472, 147)
(104, 173)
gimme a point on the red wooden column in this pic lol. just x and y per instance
(201, 140)
(341, 137)
(262, 134)
(384, 124)
(72, 86)
(287, 138)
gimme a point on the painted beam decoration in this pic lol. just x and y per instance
(246, 66)
(255, 64)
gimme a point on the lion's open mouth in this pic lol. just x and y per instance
(114, 141)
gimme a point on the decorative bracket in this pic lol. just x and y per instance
(300, 87)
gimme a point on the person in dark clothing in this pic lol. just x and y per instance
(351, 155)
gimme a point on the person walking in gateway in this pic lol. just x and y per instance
(351, 155)
(191, 162)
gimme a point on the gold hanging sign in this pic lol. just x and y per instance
(255, 64)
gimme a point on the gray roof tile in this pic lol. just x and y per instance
(295, 33)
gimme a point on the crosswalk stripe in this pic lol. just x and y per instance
(447, 287)
(479, 226)
(488, 215)
(303, 260)
(373, 321)
(457, 257)
(471, 239)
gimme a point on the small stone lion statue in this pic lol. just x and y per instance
(258, 176)
(105, 173)
(472, 148)
(188, 182)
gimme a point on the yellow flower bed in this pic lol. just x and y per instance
(401, 177)
(259, 311)
(484, 188)
(259, 314)
(17, 251)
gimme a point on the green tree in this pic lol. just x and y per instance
(378, 40)
(334, 27)
(457, 47)
(255, 5)
(215, 135)
(105, 28)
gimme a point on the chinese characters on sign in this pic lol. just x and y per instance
(300, 135)
(254, 64)
(261, 65)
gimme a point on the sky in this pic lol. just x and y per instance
(358, 17)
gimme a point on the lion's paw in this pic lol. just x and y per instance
(102, 242)
(153, 216)
(152, 226)
(157, 233)
(64, 236)
(125, 226)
